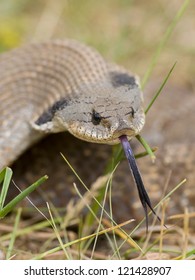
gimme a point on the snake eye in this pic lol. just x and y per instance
(96, 118)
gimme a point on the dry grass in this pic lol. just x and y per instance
(56, 238)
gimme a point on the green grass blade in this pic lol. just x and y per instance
(21, 196)
(5, 177)
(146, 146)
(160, 89)
(13, 234)
(27, 230)
(163, 42)
(145, 153)
(189, 254)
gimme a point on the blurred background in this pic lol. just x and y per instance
(125, 31)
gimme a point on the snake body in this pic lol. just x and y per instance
(64, 86)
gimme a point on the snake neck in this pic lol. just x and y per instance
(38, 75)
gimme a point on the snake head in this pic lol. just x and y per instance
(102, 113)
(98, 113)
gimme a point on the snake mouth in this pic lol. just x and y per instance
(128, 132)
(106, 137)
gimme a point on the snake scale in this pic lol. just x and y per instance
(63, 85)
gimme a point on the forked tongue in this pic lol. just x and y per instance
(145, 200)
